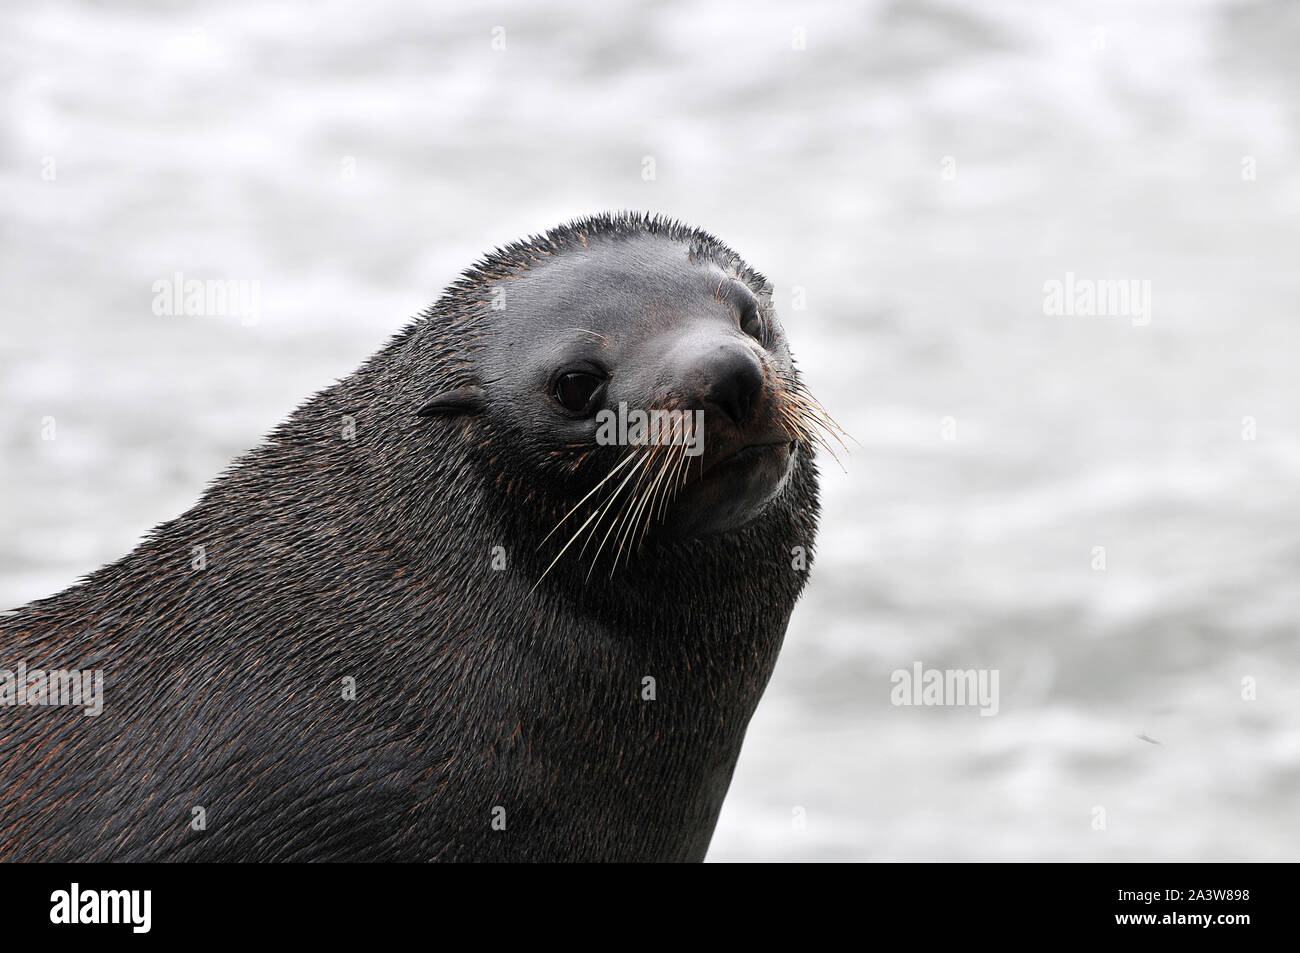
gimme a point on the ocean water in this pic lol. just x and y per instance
(911, 175)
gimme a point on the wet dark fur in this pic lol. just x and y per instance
(372, 558)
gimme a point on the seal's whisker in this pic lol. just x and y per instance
(685, 468)
(665, 489)
(815, 437)
(582, 527)
(656, 496)
(629, 514)
(808, 420)
(595, 334)
(819, 427)
(804, 399)
(646, 505)
(675, 481)
(672, 485)
(622, 463)
(640, 471)
(828, 425)
(608, 506)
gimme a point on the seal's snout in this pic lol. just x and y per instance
(719, 373)
(746, 455)
(732, 380)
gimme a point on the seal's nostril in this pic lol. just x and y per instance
(735, 379)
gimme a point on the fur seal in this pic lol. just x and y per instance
(432, 617)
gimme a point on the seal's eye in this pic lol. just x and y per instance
(752, 323)
(575, 390)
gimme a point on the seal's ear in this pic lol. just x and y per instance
(462, 400)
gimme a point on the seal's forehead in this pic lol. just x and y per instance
(645, 277)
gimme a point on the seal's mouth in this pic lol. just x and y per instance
(749, 455)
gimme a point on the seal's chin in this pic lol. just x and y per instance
(732, 490)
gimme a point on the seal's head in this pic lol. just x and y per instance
(637, 372)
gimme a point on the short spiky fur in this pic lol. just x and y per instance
(372, 558)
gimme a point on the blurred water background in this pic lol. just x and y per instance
(915, 172)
